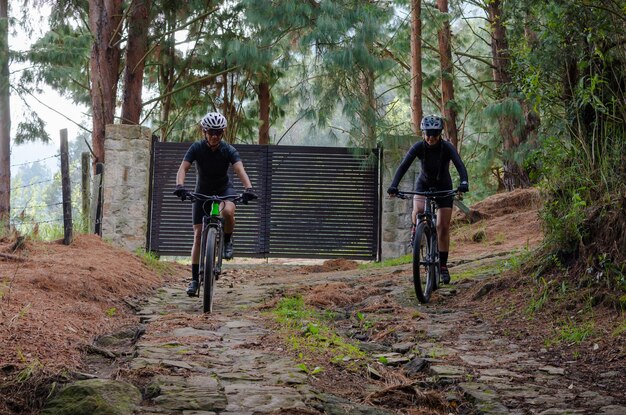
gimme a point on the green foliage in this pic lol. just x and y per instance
(304, 368)
(402, 260)
(29, 371)
(31, 129)
(60, 59)
(539, 297)
(572, 333)
(152, 260)
(307, 331)
(566, 64)
(620, 329)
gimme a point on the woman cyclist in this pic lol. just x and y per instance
(435, 155)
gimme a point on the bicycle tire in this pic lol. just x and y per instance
(220, 253)
(422, 274)
(209, 270)
(434, 254)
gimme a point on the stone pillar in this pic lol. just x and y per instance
(126, 185)
(396, 212)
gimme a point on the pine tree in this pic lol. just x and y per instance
(448, 105)
(104, 22)
(5, 120)
(416, 64)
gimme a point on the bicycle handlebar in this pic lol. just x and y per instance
(193, 196)
(429, 194)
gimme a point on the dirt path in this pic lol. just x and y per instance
(420, 359)
(358, 343)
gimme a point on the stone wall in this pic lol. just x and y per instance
(396, 226)
(126, 185)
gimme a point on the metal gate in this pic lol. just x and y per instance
(314, 202)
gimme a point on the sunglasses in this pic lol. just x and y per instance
(214, 131)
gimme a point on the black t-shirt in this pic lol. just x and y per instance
(211, 166)
(435, 165)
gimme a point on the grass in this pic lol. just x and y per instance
(308, 334)
(152, 261)
(538, 299)
(402, 260)
(475, 272)
(572, 333)
(620, 329)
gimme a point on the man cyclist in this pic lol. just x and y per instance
(212, 157)
(435, 155)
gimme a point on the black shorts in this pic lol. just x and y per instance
(196, 210)
(442, 202)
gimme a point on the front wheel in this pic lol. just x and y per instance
(209, 270)
(423, 266)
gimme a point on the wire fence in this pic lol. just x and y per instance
(45, 204)
(36, 161)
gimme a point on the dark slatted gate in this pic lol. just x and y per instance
(314, 202)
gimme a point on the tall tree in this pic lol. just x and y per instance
(509, 120)
(5, 119)
(105, 23)
(136, 50)
(264, 111)
(416, 64)
(447, 80)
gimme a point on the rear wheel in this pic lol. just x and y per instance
(423, 268)
(209, 270)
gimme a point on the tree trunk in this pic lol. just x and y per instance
(368, 111)
(447, 85)
(167, 73)
(104, 22)
(264, 112)
(513, 135)
(499, 45)
(416, 64)
(5, 120)
(135, 60)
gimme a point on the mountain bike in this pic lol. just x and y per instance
(211, 245)
(426, 275)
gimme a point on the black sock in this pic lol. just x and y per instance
(195, 270)
(227, 237)
(443, 258)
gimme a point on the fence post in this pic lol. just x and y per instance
(66, 189)
(85, 166)
(96, 204)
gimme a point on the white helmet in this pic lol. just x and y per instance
(213, 120)
(431, 122)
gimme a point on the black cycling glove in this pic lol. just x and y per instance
(392, 190)
(463, 187)
(248, 195)
(181, 192)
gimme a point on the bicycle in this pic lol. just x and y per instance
(425, 249)
(211, 245)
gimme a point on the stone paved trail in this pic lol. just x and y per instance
(216, 364)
